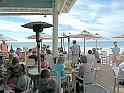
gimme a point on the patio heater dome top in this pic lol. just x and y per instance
(37, 26)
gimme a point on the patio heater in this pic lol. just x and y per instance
(38, 28)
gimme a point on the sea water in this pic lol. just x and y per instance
(100, 44)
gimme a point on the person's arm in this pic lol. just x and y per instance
(81, 71)
(79, 51)
(1, 46)
(63, 71)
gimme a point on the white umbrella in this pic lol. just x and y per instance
(5, 38)
(85, 35)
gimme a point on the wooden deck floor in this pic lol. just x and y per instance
(105, 78)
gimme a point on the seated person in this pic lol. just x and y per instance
(29, 52)
(13, 53)
(61, 50)
(21, 78)
(18, 51)
(84, 67)
(10, 78)
(120, 74)
(9, 61)
(90, 57)
(59, 67)
(47, 84)
(34, 56)
(44, 63)
(49, 59)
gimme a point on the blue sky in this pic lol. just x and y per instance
(104, 17)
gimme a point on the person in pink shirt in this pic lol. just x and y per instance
(4, 48)
(44, 63)
(85, 66)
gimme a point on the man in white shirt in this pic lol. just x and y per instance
(91, 58)
(75, 49)
(115, 52)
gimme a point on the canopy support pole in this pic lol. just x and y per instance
(55, 30)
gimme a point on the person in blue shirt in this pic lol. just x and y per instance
(115, 51)
(59, 67)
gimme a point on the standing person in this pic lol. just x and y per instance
(115, 51)
(4, 48)
(96, 54)
(75, 49)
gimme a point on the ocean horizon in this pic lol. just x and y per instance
(100, 44)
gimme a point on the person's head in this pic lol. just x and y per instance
(12, 51)
(61, 49)
(19, 69)
(45, 73)
(61, 59)
(30, 50)
(48, 46)
(89, 52)
(18, 49)
(94, 50)
(48, 51)
(83, 59)
(10, 56)
(115, 44)
(74, 41)
(15, 61)
(42, 57)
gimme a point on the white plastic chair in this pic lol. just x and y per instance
(30, 63)
(92, 61)
(95, 88)
(88, 78)
(104, 57)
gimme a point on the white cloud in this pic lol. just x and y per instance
(108, 18)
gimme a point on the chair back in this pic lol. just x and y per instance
(92, 61)
(30, 62)
(89, 77)
(95, 88)
(28, 82)
(104, 53)
(61, 80)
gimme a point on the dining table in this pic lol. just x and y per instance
(35, 75)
